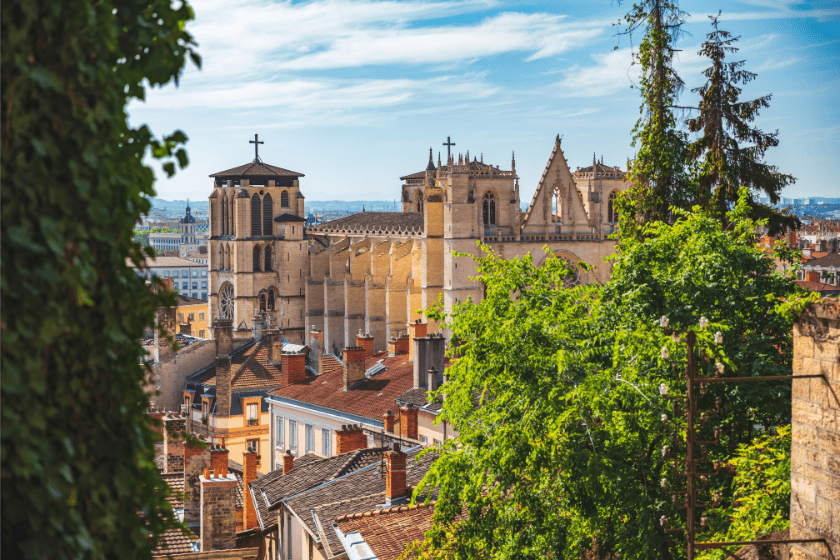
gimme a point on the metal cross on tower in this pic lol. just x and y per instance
(256, 142)
(449, 143)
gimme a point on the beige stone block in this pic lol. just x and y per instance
(824, 509)
(816, 475)
(803, 346)
(812, 366)
(803, 491)
(828, 348)
(805, 434)
(801, 388)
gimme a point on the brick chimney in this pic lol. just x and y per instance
(316, 348)
(288, 461)
(223, 386)
(219, 460)
(251, 463)
(415, 330)
(218, 512)
(294, 368)
(388, 421)
(350, 438)
(402, 344)
(366, 342)
(196, 459)
(273, 341)
(223, 333)
(173, 443)
(395, 490)
(354, 366)
(408, 421)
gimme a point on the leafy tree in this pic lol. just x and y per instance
(142, 237)
(699, 267)
(658, 172)
(732, 148)
(555, 392)
(761, 491)
(77, 448)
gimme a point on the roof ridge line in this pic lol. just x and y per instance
(383, 511)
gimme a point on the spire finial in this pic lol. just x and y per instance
(513, 162)
(431, 165)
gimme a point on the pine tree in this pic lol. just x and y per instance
(658, 172)
(731, 148)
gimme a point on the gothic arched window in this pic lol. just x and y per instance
(271, 300)
(267, 258)
(268, 214)
(419, 201)
(284, 199)
(256, 216)
(221, 262)
(256, 259)
(611, 216)
(262, 302)
(224, 215)
(489, 207)
(226, 301)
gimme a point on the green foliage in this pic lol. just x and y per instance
(141, 237)
(659, 176)
(77, 449)
(555, 392)
(724, 121)
(697, 267)
(762, 491)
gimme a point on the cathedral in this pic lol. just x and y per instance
(372, 271)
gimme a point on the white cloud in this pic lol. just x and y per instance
(611, 73)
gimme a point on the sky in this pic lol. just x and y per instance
(353, 93)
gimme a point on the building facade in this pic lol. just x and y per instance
(372, 271)
(188, 278)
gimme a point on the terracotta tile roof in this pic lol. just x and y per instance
(176, 484)
(324, 516)
(370, 399)
(341, 493)
(309, 471)
(330, 363)
(175, 541)
(250, 369)
(387, 532)
(257, 169)
(371, 222)
(817, 286)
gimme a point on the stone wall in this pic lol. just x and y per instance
(815, 462)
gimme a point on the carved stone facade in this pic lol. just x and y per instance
(373, 271)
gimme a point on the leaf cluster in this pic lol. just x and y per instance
(77, 447)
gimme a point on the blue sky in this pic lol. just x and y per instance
(353, 93)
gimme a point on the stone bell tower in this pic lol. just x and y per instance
(257, 252)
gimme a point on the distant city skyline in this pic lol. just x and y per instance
(353, 93)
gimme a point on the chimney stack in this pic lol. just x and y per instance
(294, 368)
(218, 512)
(288, 461)
(429, 352)
(354, 366)
(415, 330)
(432, 377)
(185, 328)
(222, 386)
(173, 443)
(219, 460)
(251, 461)
(350, 438)
(316, 348)
(274, 342)
(223, 333)
(408, 421)
(366, 342)
(388, 421)
(395, 481)
(196, 460)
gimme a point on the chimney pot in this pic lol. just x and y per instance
(288, 461)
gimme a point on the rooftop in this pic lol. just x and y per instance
(309, 471)
(255, 169)
(370, 398)
(827, 261)
(387, 532)
(372, 223)
(249, 369)
(165, 262)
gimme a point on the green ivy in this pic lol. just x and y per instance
(78, 475)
